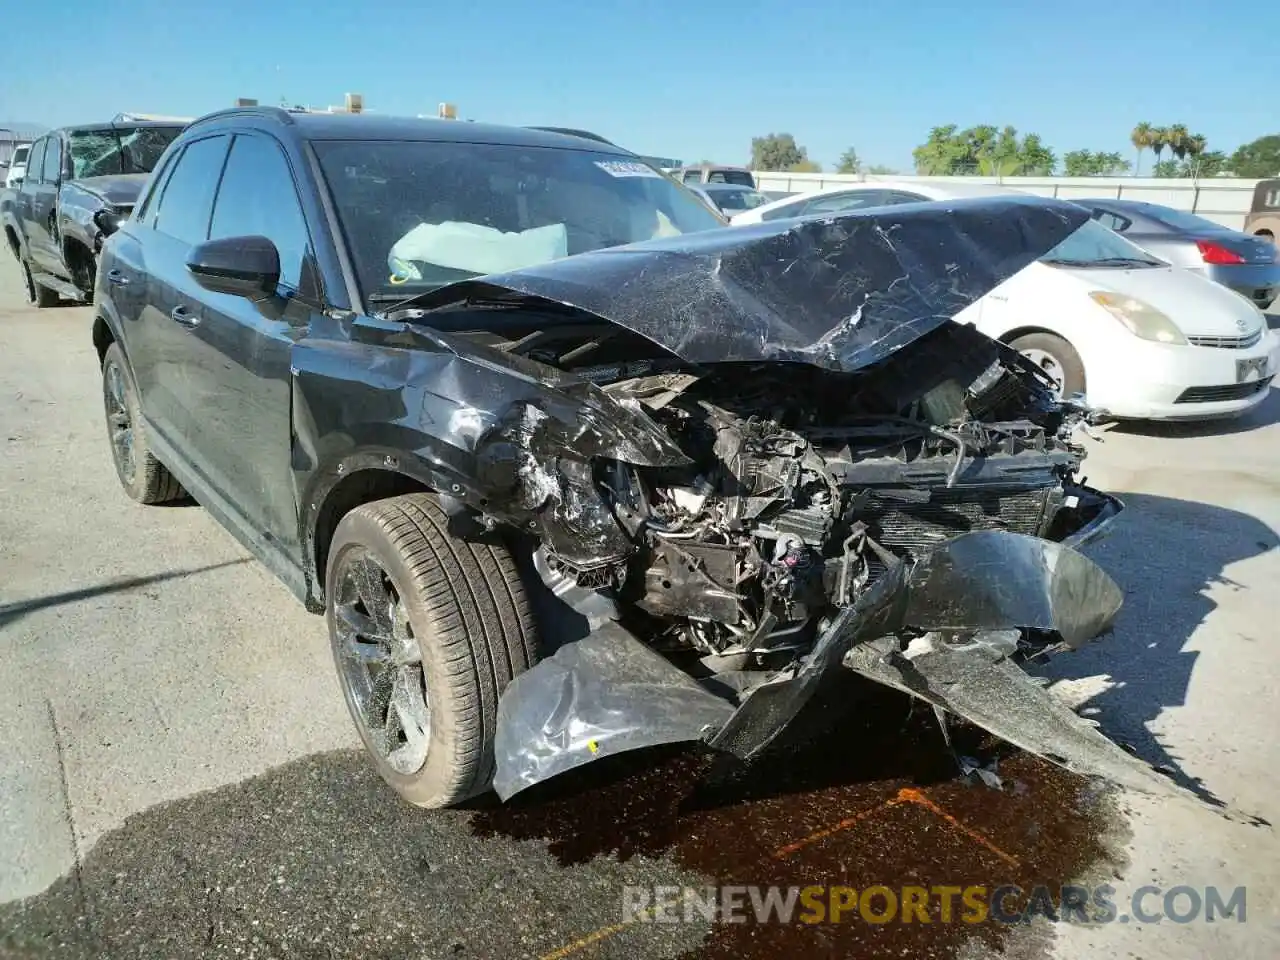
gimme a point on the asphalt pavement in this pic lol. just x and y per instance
(179, 777)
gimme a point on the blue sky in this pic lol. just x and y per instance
(689, 80)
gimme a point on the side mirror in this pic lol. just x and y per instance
(241, 266)
(108, 221)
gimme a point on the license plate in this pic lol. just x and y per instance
(1255, 368)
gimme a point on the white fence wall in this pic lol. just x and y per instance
(1222, 200)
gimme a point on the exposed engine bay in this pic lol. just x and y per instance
(805, 485)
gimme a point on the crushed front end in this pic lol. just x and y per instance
(932, 498)
(754, 456)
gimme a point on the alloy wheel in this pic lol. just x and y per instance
(119, 422)
(380, 662)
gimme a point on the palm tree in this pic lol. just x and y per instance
(1178, 137)
(1141, 138)
(1159, 140)
(1197, 144)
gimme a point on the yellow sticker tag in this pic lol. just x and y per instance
(593, 746)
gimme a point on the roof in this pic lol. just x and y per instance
(374, 126)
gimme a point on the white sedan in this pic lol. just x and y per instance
(1139, 338)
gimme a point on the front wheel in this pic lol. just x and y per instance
(1057, 358)
(427, 630)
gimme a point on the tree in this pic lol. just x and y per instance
(805, 166)
(1206, 163)
(1142, 139)
(940, 153)
(776, 151)
(1179, 138)
(1159, 140)
(1086, 163)
(849, 162)
(1037, 160)
(984, 148)
(880, 170)
(999, 166)
(1260, 158)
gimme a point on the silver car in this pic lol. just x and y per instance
(1248, 265)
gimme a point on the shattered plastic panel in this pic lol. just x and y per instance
(839, 292)
(604, 694)
(550, 716)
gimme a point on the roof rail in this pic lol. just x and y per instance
(274, 113)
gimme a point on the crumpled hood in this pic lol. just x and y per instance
(838, 292)
(115, 188)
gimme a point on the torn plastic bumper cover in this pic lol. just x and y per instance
(608, 692)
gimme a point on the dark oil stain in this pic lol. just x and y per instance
(856, 750)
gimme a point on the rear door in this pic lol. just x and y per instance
(163, 355)
(243, 349)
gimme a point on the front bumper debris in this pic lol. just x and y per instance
(609, 692)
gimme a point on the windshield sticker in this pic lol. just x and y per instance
(627, 168)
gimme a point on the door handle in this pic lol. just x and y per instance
(180, 314)
(118, 278)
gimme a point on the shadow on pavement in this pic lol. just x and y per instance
(1263, 415)
(10, 612)
(1166, 554)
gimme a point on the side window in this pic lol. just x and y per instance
(692, 176)
(258, 197)
(52, 160)
(1112, 221)
(899, 196)
(844, 201)
(35, 162)
(183, 212)
(793, 209)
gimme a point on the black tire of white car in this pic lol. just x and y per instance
(1062, 354)
(143, 477)
(458, 627)
(37, 295)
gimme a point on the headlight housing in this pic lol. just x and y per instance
(1139, 317)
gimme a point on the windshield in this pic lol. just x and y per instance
(100, 153)
(20, 155)
(418, 215)
(1093, 245)
(735, 201)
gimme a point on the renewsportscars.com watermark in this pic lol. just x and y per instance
(972, 904)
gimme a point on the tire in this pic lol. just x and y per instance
(456, 618)
(1049, 352)
(143, 477)
(37, 295)
(86, 274)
